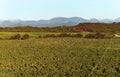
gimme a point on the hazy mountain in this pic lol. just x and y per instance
(107, 21)
(117, 20)
(58, 21)
(94, 20)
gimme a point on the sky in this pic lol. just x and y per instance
(47, 9)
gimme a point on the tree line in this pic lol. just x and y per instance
(82, 27)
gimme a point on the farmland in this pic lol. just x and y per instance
(80, 51)
(60, 57)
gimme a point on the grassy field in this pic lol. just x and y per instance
(60, 57)
(33, 35)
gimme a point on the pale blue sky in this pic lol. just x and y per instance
(46, 9)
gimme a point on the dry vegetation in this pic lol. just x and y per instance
(59, 57)
(85, 50)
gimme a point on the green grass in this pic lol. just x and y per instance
(60, 57)
(33, 35)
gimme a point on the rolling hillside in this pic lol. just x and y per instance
(58, 21)
(82, 27)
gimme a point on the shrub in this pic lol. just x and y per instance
(15, 37)
(64, 35)
(99, 36)
(2, 38)
(39, 36)
(109, 36)
(90, 36)
(25, 36)
(49, 35)
(77, 35)
(96, 36)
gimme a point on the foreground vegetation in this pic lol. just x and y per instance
(60, 57)
(84, 50)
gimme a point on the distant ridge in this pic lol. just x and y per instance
(58, 21)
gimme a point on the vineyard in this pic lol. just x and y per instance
(60, 57)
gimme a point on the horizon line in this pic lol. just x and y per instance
(57, 17)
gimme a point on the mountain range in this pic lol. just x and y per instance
(58, 21)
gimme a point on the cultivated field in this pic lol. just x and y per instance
(60, 57)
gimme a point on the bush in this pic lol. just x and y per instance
(39, 36)
(15, 37)
(96, 36)
(25, 36)
(77, 35)
(64, 35)
(90, 36)
(99, 36)
(109, 36)
(3, 38)
(49, 35)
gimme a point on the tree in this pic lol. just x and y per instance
(15, 37)
(25, 36)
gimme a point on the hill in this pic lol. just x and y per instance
(98, 27)
(58, 21)
(82, 27)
